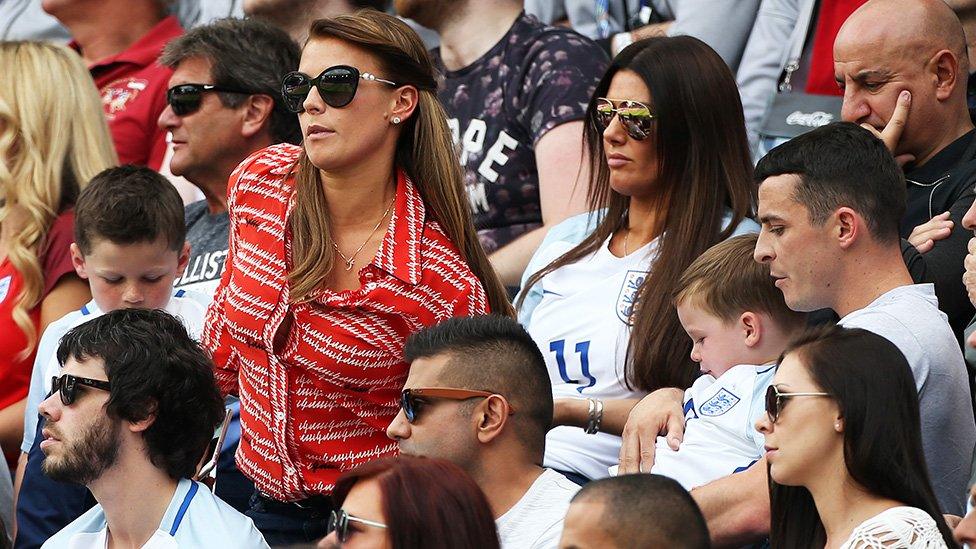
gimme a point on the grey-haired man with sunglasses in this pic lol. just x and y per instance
(130, 417)
(478, 394)
(223, 104)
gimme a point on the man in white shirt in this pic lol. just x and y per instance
(130, 417)
(830, 202)
(478, 394)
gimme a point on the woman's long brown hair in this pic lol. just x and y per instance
(425, 151)
(704, 171)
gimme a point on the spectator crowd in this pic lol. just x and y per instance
(487, 273)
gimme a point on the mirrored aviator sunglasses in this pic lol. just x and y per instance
(635, 116)
(336, 86)
(185, 99)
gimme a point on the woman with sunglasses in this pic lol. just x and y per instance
(843, 442)
(409, 503)
(339, 250)
(672, 176)
(53, 140)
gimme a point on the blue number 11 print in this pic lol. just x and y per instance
(583, 350)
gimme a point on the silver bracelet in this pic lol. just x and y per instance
(595, 414)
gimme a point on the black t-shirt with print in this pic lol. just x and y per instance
(535, 78)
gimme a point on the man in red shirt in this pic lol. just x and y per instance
(120, 41)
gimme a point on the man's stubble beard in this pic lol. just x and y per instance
(85, 459)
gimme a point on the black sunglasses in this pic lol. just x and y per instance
(337, 86)
(775, 401)
(68, 384)
(634, 115)
(339, 521)
(185, 98)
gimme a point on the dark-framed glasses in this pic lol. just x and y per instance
(635, 116)
(339, 521)
(412, 400)
(186, 98)
(68, 384)
(337, 86)
(775, 400)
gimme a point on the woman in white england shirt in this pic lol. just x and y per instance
(671, 176)
(844, 446)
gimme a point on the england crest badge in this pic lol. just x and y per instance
(627, 298)
(722, 402)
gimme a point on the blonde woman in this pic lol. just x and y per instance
(53, 139)
(339, 250)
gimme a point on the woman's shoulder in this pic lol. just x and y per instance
(900, 526)
(272, 163)
(265, 174)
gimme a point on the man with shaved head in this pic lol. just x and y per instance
(903, 66)
(634, 511)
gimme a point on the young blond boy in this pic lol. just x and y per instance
(739, 324)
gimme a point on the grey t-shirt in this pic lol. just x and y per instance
(207, 234)
(909, 317)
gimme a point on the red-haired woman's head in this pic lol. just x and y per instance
(412, 502)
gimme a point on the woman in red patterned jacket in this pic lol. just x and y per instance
(339, 250)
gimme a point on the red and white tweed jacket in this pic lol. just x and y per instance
(321, 405)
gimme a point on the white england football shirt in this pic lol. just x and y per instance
(577, 315)
(720, 427)
(581, 326)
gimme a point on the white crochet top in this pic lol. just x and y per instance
(898, 527)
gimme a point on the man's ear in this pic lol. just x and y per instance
(184, 259)
(256, 114)
(492, 414)
(78, 261)
(944, 67)
(145, 423)
(849, 225)
(752, 328)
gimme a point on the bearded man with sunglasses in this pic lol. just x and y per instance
(223, 104)
(130, 417)
(478, 394)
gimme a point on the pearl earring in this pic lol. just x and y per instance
(396, 119)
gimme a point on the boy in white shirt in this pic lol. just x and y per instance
(130, 245)
(739, 325)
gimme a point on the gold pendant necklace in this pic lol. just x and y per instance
(351, 260)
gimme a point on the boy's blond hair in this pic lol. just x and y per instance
(726, 281)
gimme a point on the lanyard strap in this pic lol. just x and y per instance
(186, 503)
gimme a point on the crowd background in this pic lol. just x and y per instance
(487, 273)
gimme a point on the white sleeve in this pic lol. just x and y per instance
(47, 350)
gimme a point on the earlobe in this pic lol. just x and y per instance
(493, 417)
(946, 70)
(78, 261)
(406, 102)
(184, 258)
(257, 111)
(848, 223)
(751, 325)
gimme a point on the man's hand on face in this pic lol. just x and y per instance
(891, 134)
